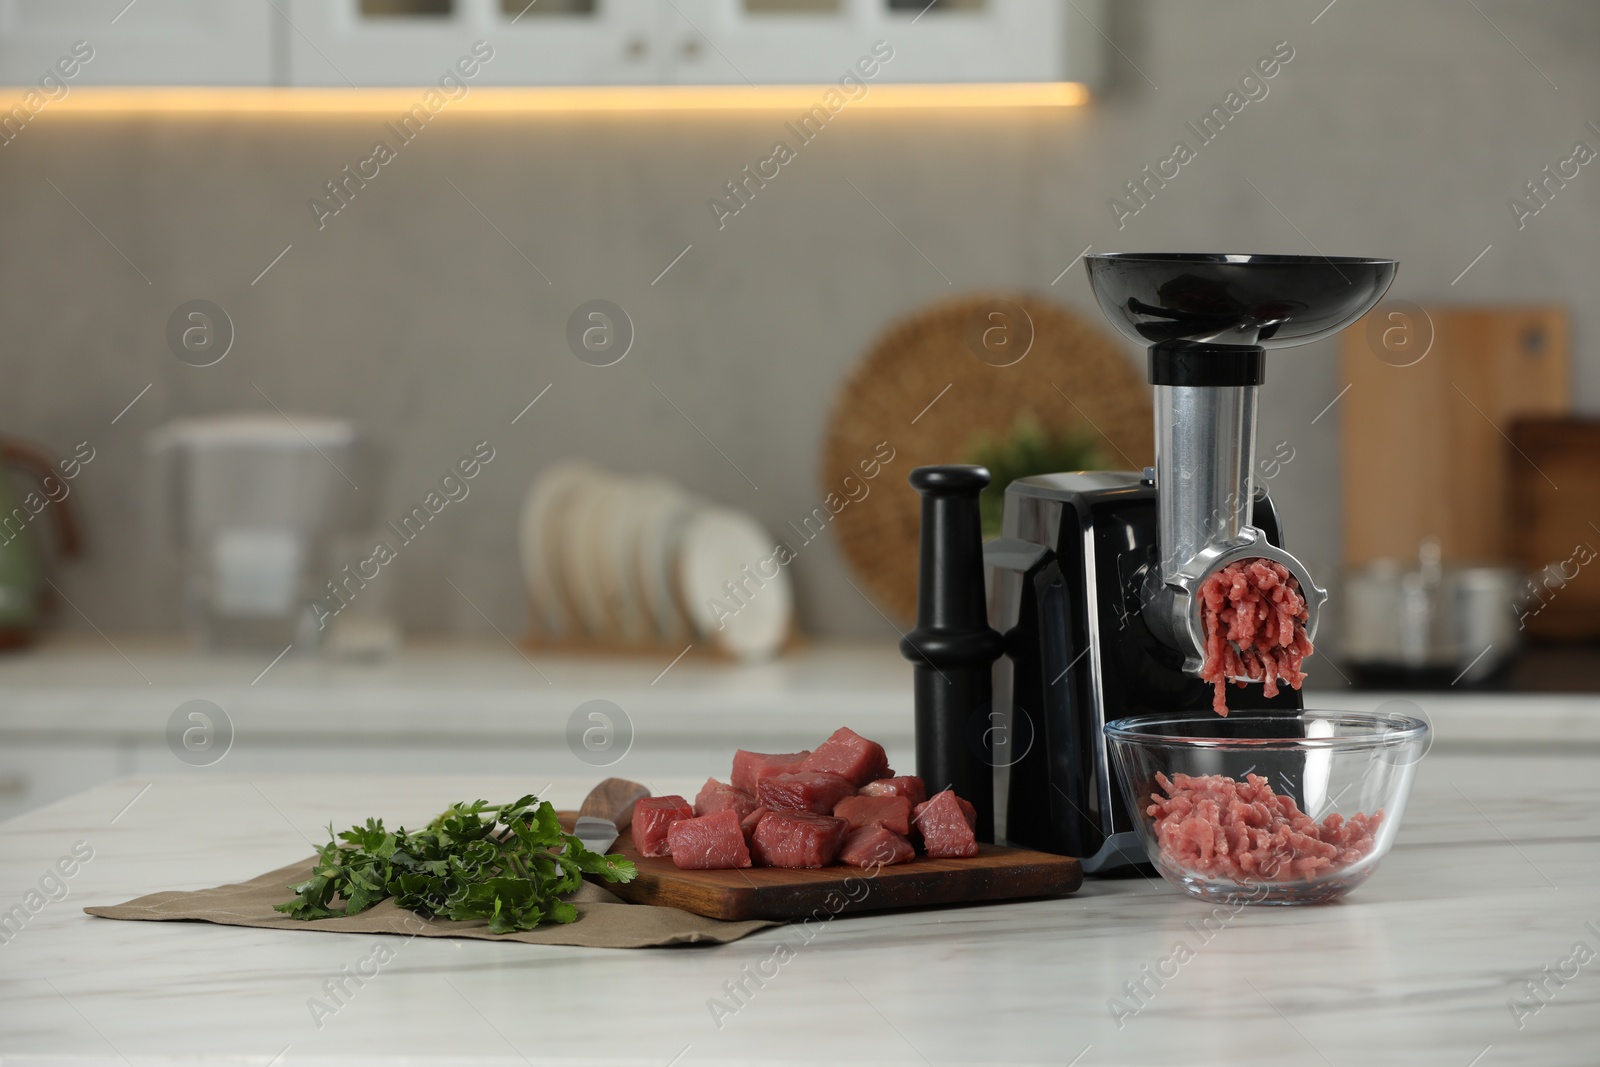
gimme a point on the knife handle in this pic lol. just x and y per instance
(613, 799)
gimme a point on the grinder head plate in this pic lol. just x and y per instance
(1271, 301)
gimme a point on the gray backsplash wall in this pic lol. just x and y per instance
(1395, 130)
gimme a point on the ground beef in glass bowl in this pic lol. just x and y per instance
(1267, 807)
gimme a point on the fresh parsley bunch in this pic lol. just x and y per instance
(510, 864)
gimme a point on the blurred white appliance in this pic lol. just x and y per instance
(252, 506)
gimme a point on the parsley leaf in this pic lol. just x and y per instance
(507, 864)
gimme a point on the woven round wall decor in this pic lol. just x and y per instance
(941, 380)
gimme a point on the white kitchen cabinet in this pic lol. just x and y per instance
(147, 42)
(361, 43)
(692, 42)
(417, 42)
(814, 42)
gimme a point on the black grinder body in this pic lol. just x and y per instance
(1067, 573)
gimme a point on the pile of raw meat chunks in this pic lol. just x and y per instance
(839, 802)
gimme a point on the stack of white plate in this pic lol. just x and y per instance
(640, 561)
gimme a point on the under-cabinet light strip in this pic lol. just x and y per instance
(307, 101)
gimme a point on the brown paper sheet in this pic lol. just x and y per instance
(603, 921)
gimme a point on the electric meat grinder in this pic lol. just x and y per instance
(1096, 573)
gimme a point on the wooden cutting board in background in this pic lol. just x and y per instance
(1425, 446)
(1556, 525)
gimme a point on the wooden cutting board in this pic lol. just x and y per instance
(1425, 445)
(1556, 525)
(995, 873)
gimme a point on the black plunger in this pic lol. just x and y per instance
(953, 649)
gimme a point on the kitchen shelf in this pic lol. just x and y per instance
(74, 712)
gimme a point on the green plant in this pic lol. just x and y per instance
(510, 864)
(1026, 450)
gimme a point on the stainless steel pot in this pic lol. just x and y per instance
(1433, 619)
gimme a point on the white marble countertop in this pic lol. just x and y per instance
(1418, 966)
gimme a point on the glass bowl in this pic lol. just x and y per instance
(1222, 803)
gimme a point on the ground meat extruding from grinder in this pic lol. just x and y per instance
(1218, 827)
(1255, 628)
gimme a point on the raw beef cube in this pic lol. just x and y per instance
(750, 767)
(652, 816)
(797, 839)
(908, 786)
(749, 823)
(813, 791)
(710, 843)
(715, 796)
(850, 755)
(946, 824)
(875, 846)
(970, 812)
(893, 813)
